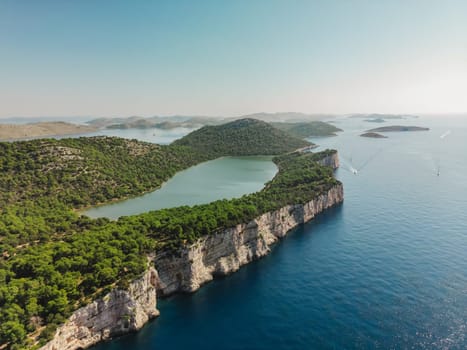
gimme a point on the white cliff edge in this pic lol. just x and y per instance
(119, 312)
(123, 311)
(225, 252)
(331, 160)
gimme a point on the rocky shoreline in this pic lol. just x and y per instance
(222, 253)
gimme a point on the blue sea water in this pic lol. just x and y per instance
(385, 270)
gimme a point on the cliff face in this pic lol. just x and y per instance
(118, 312)
(214, 255)
(331, 160)
(225, 252)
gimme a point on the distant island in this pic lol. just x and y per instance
(375, 120)
(299, 125)
(286, 116)
(289, 121)
(373, 135)
(398, 128)
(163, 123)
(41, 129)
(383, 116)
(308, 129)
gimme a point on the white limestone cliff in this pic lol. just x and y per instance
(222, 253)
(119, 312)
(331, 160)
(225, 252)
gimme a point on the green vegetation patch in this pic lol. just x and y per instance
(42, 284)
(52, 260)
(243, 137)
(308, 129)
(41, 180)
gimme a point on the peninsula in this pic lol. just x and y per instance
(68, 281)
(41, 129)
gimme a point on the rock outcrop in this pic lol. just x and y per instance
(225, 252)
(119, 312)
(331, 160)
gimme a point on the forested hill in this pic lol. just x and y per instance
(308, 129)
(83, 171)
(42, 180)
(52, 260)
(241, 137)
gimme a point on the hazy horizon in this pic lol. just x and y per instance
(323, 115)
(208, 58)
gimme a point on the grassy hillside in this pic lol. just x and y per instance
(308, 129)
(241, 137)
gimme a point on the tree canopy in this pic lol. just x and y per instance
(52, 260)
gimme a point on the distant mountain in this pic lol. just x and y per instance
(242, 137)
(308, 129)
(383, 116)
(132, 124)
(193, 122)
(104, 122)
(286, 116)
(158, 122)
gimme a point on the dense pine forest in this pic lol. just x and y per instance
(54, 260)
(241, 138)
(308, 129)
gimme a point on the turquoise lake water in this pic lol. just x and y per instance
(385, 270)
(227, 177)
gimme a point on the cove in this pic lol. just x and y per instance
(222, 178)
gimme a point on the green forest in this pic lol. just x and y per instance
(308, 129)
(241, 138)
(53, 260)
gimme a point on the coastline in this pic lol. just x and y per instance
(20, 132)
(123, 311)
(185, 270)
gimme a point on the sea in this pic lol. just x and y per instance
(387, 269)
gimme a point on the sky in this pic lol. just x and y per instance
(228, 58)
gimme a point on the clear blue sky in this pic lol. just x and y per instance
(111, 58)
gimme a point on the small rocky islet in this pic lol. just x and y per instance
(373, 135)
